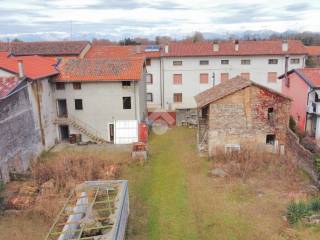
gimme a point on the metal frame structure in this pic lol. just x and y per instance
(109, 202)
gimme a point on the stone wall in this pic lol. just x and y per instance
(242, 118)
(302, 156)
(19, 139)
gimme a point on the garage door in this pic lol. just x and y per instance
(126, 131)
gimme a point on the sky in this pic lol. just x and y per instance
(117, 19)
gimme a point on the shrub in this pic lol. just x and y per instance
(317, 163)
(314, 205)
(296, 211)
(2, 204)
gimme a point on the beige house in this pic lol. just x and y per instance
(239, 112)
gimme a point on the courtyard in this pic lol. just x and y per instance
(173, 197)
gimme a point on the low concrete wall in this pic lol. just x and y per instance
(304, 157)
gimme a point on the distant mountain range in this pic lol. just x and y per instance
(50, 36)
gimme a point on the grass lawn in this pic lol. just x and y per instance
(171, 197)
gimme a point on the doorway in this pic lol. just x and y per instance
(62, 108)
(64, 132)
(111, 132)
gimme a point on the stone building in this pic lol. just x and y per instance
(238, 112)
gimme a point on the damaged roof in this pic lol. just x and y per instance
(46, 48)
(227, 88)
(100, 69)
(8, 84)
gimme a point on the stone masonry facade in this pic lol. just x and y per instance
(246, 117)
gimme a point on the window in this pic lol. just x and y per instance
(177, 78)
(272, 77)
(270, 139)
(148, 62)
(60, 86)
(177, 97)
(78, 104)
(204, 78)
(126, 83)
(316, 97)
(149, 78)
(224, 61)
(126, 102)
(149, 97)
(177, 63)
(294, 60)
(273, 61)
(204, 62)
(245, 62)
(76, 85)
(224, 77)
(245, 76)
(270, 114)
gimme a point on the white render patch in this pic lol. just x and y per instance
(126, 131)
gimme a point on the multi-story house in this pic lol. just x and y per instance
(102, 99)
(302, 86)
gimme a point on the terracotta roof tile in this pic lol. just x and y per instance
(115, 51)
(313, 50)
(227, 48)
(100, 69)
(35, 67)
(49, 48)
(311, 74)
(226, 88)
(7, 85)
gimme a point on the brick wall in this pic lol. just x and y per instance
(19, 138)
(242, 118)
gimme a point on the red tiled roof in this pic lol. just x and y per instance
(226, 88)
(49, 48)
(311, 74)
(100, 69)
(227, 48)
(8, 84)
(35, 67)
(313, 50)
(115, 51)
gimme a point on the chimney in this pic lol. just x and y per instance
(236, 45)
(138, 49)
(215, 46)
(285, 45)
(166, 48)
(20, 69)
(286, 71)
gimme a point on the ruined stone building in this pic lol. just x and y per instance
(240, 112)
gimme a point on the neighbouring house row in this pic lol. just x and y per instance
(178, 71)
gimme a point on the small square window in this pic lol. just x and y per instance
(294, 60)
(78, 104)
(177, 97)
(126, 101)
(270, 139)
(245, 62)
(273, 61)
(224, 61)
(60, 86)
(149, 97)
(245, 76)
(204, 62)
(177, 63)
(76, 85)
(148, 62)
(126, 83)
(272, 77)
(149, 78)
(270, 114)
(224, 77)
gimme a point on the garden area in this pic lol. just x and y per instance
(176, 194)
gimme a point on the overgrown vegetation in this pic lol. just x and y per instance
(296, 211)
(2, 204)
